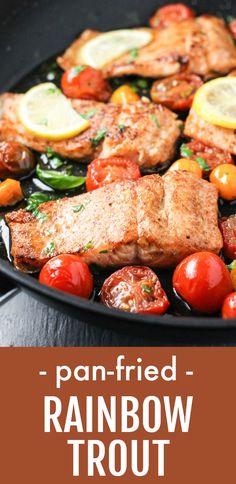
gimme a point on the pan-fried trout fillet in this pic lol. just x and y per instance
(148, 135)
(200, 46)
(211, 135)
(155, 221)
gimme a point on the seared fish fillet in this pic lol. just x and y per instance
(215, 136)
(155, 221)
(148, 135)
(200, 46)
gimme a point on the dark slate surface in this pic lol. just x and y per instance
(27, 322)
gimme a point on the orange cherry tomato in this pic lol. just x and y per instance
(224, 177)
(10, 192)
(124, 95)
(184, 164)
(203, 281)
(229, 307)
(68, 273)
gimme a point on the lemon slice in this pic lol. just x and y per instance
(106, 47)
(46, 113)
(215, 102)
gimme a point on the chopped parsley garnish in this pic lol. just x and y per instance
(53, 90)
(155, 120)
(33, 203)
(50, 247)
(203, 164)
(89, 114)
(103, 251)
(185, 151)
(133, 55)
(54, 159)
(79, 69)
(88, 246)
(147, 289)
(121, 127)
(99, 137)
(79, 208)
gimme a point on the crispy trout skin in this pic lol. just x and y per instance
(156, 221)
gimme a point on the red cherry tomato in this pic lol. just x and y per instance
(176, 92)
(207, 156)
(232, 28)
(203, 281)
(68, 273)
(136, 290)
(104, 171)
(169, 14)
(85, 83)
(228, 229)
(229, 307)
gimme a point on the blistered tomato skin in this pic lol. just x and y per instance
(203, 281)
(169, 14)
(135, 289)
(229, 307)
(16, 160)
(68, 273)
(228, 230)
(85, 83)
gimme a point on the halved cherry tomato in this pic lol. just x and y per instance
(229, 307)
(228, 230)
(10, 192)
(203, 281)
(68, 273)
(176, 92)
(104, 171)
(124, 95)
(206, 156)
(135, 289)
(16, 160)
(224, 177)
(169, 14)
(85, 83)
(184, 164)
(232, 28)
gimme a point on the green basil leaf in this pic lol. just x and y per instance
(58, 180)
(185, 151)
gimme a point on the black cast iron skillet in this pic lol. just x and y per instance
(30, 33)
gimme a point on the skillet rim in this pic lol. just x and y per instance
(27, 282)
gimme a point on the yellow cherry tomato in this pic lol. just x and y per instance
(224, 177)
(233, 278)
(124, 95)
(185, 164)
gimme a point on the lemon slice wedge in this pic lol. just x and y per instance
(106, 47)
(215, 102)
(46, 113)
